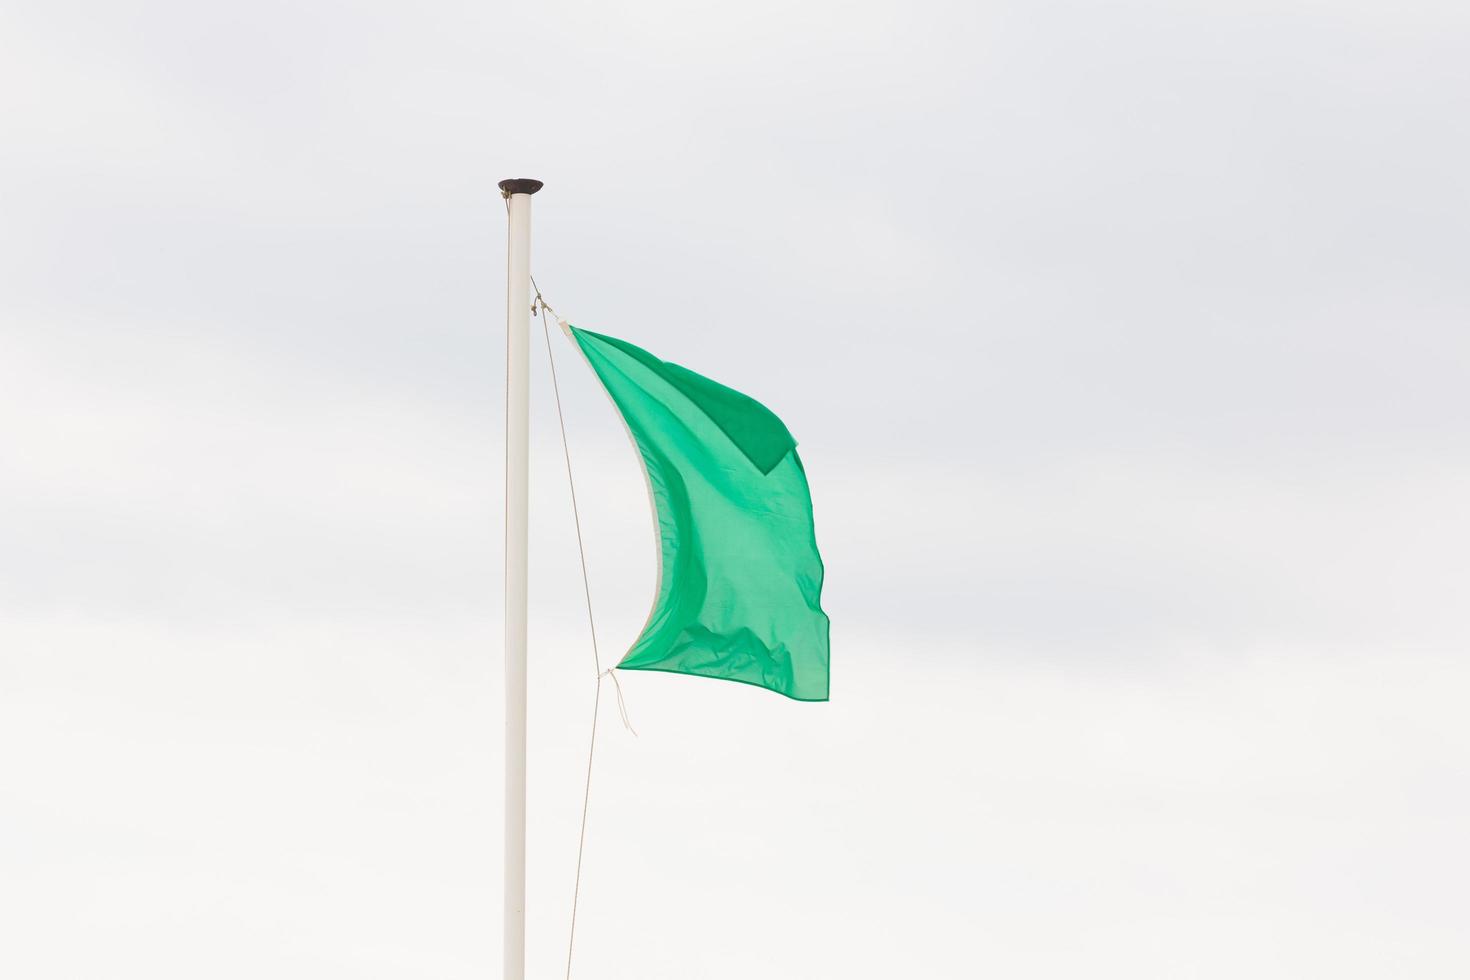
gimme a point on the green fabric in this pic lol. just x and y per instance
(740, 583)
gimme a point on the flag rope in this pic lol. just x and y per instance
(539, 305)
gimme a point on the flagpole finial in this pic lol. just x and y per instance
(520, 185)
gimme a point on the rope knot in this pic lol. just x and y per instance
(618, 690)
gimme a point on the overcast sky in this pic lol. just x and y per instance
(1127, 349)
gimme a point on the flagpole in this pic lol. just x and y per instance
(517, 464)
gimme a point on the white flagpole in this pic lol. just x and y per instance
(517, 464)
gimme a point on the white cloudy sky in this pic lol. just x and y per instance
(1127, 348)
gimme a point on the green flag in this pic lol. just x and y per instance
(740, 580)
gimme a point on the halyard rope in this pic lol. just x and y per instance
(539, 305)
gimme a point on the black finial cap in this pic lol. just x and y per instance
(520, 185)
